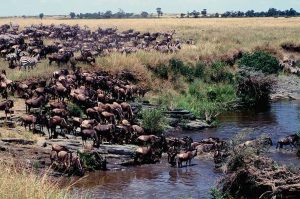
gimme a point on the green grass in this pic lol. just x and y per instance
(199, 98)
(153, 121)
(42, 70)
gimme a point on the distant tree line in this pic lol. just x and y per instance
(110, 15)
(272, 12)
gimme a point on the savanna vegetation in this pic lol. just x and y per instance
(200, 77)
(19, 183)
(229, 64)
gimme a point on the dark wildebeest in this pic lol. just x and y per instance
(28, 120)
(6, 106)
(58, 121)
(90, 133)
(288, 140)
(36, 102)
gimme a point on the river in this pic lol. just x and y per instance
(162, 181)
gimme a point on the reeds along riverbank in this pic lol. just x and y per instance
(16, 182)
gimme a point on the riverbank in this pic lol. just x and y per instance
(287, 88)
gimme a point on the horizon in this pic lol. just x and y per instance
(58, 7)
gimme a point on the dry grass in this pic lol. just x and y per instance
(18, 132)
(213, 37)
(42, 70)
(16, 183)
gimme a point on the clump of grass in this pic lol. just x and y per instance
(153, 121)
(41, 70)
(217, 194)
(75, 110)
(19, 132)
(202, 98)
(17, 183)
(219, 72)
(199, 70)
(179, 67)
(161, 71)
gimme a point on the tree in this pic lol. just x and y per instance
(204, 12)
(292, 13)
(182, 15)
(144, 14)
(240, 14)
(272, 12)
(120, 14)
(250, 13)
(107, 14)
(41, 15)
(72, 15)
(159, 12)
(195, 14)
(188, 14)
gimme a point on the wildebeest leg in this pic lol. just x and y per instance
(292, 145)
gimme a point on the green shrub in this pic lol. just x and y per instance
(74, 110)
(199, 70)
(92, 161)
(162, 71)
(216, 194)
(153, 121)
(219, 72)
(205, 99)
(178, 67)
(260, 61)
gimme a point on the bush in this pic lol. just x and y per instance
(216, 194)
(178, 67)
(75, 110)
(92, 161)
(260, 61)
(219, 72)
(254, 88)
(153, 121)
(199, 70)
(162, 71)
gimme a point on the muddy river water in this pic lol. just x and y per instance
(162, 181)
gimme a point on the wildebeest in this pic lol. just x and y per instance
(6, 106)
(290, 140)
(36, 102)
(185, 157)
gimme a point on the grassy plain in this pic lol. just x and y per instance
(213, 38)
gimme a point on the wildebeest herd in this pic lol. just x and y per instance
(55, 104)
(24, 48)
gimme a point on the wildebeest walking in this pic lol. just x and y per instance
(288, 140)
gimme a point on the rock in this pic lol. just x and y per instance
(18, 141)
(195, 125)
(180, 114)
(41, 143)
(127, 150)
(286, 88)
